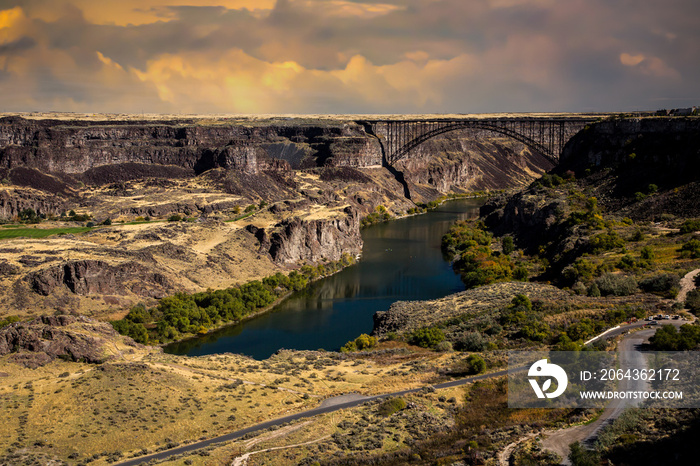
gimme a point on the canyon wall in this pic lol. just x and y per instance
(75, 147)
(260, 197)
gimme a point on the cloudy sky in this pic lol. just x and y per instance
(348, 56)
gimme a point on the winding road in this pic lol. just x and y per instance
(328, 406)
(560, 440)
(557, 441)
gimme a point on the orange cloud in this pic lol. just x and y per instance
(344, 8)
(650, 66)
(9, 18)
(139, 12)
(631, 60)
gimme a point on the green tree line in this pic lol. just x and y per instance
(186, 314)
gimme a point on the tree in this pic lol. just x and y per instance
(507, 245)
(476, 364)
(579, 456)
(692, 301)
(521, 300)
(28, 215)
(647, 254)
(427, 337)
(691, 249)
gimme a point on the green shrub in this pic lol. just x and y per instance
(131, 329)
(444, 347)
(107, 222)
(667, 338)
(475, 364)
(637, 236)
(8, 320)
(647, 253)
(174, 218)
(28, 215)
(582, 269)
(520, 273)
(606, 241)
(692, 301)
(666, 285)
(360, 343)
(471, 341)
(616, 285)
(391, 406)
(581, 330)
(690, 226)
(521, 300)
(535, 329)
(691, 249)
(594, 291)
(579, 456)
(507, 244)
(427, 337)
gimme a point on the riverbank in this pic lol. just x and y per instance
(401, 260)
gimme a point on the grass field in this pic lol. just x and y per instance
(39, 232)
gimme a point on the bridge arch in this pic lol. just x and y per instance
(546, 136)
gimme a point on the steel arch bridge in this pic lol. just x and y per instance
(546, 136)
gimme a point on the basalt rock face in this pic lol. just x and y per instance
(14, 201)
(664, 151)
(470, 162)
(75, 147)
(624, 157)
(44, 339)
(615, 161)
(313, 240)
(97, 277)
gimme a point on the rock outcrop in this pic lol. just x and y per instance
(314, 240)
(406, 316)
(98, 277)
(44, 339)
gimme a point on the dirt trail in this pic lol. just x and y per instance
(687, 285)
(243, 459)
(504, 455)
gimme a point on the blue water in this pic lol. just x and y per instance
(401, 260)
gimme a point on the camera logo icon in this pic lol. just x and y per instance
(542, 368)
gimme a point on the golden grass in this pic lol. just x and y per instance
(139, 400)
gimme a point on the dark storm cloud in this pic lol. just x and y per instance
(480, 54)
(17, 46)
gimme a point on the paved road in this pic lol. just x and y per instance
(338, 403)
(560, 440)
(327, 406)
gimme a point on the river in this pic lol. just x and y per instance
(401, 260)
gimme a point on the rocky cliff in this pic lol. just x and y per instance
(41, 340)
(96, 277)
(75, 147)
(315, 240)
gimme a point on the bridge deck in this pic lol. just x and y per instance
(546, 136)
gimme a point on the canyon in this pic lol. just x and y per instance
(256, 196)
